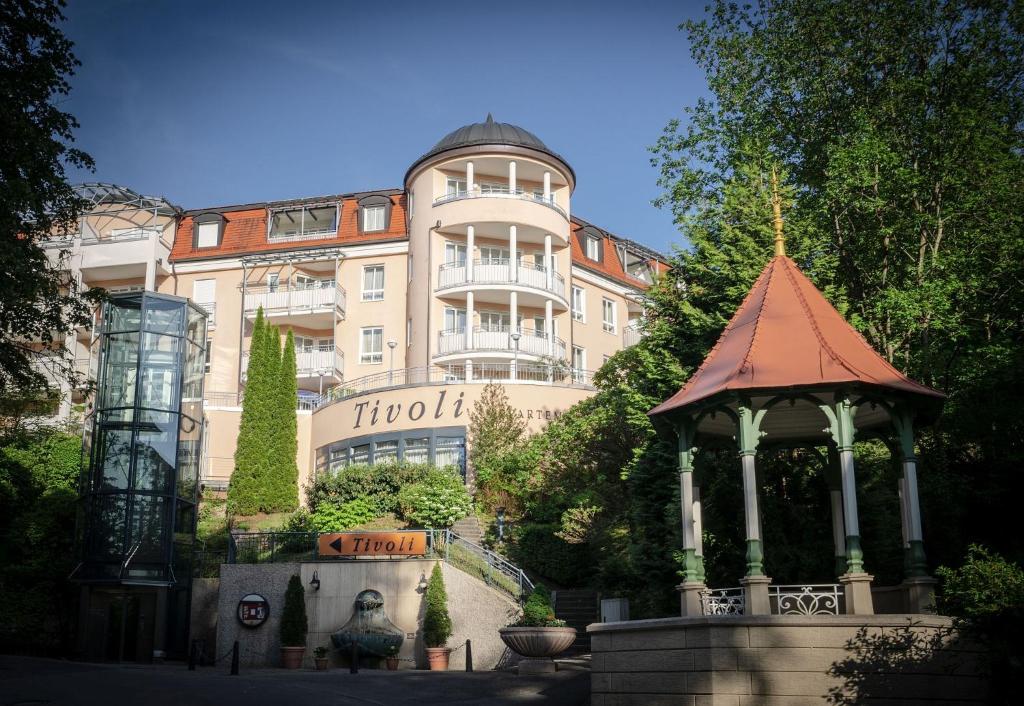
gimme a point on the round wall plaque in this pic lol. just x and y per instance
(253, 610)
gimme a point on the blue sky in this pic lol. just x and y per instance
(217, 103)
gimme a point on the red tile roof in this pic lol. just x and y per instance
(610, 265)
(785, 334)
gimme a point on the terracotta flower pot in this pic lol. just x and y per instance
(392, 663)
(321, 664)
(437, 658)
(291, 657)
(538, 642)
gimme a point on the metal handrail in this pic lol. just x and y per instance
(499, 192)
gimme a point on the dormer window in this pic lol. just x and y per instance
(374, 213)
(591, 242)
(635, 265)
(207, 230)
(310, 222)
(593, 248)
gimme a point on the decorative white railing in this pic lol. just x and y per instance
(501, 192)
(500, 339)
(822, 599)
(631, 335)
(295, 236)
(311, 363)
(723, 601)
(294, 300)
(211, 312)
(460, 274)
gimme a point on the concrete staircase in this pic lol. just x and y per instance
(469, 529)
(578, 608)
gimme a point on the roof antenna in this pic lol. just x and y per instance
(780, 240)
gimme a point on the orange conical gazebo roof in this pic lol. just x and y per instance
(786, 335)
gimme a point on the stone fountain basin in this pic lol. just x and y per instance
(538, 642)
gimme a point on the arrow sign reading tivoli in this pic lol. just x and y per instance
(373, 544)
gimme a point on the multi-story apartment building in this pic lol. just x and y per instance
(403, 302)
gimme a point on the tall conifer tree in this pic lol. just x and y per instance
(286, 471)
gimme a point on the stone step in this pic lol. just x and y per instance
(578, 608)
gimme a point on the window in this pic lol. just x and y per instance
(579, 363)
(360, 454)
(539, 325)
(371, 345)
(304, 344)
(313, 222)
(455, 186)
(417, 450)
(207, 234)
(454, 253)
(385, 451)
(373, 218)
(608, 315)
(445, 446)
(450, 451)
(493, 256)
(273, 280)
(325, 345)
(454, 320)
(307, 282)
(494, 321)
(593, 248)
(209, 356)
(579, 304)
(373, 282)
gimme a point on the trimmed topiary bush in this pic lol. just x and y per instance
(437, 624)
(293, 617)
(439, 500)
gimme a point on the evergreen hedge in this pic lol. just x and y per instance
(437, 624)
(293, 617)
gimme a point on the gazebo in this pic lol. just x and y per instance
(789, 371)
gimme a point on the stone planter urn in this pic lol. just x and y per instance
(392, 663)
(538, 645)
(291, 657)
(437, 658)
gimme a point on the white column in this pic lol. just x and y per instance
(150, 276)
(512, 177)
(547, 186)
(914, 533)
(513, 311)
(470, 243)
(698, 523)
(750, 509)
(549, 328)
(901, 492)
(686, 493)
(548, 265)
(469, 177)
(838, 533)
(849, 493)
(513, 247)
(469, 321)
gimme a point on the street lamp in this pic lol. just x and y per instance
(515, 359)
(391, 366)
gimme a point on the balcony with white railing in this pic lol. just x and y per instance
(124, 254)
(501, 272)
(501, 191)
(500, 340)
(296, 300)
(631, 334)
(311, 364)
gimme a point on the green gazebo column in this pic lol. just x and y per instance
(755, 583)
(919, 585)
(856, 582)
(693, 581)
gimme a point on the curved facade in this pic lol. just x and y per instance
(405, 302)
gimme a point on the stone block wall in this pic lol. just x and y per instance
(793, 660)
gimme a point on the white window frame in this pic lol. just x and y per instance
(594, 243)
(454, 186)
(578, 314)
(375, 210)
(304, 344)
(455, 253)
(609, 325)
(369, 357)
(325, 345)
(375, 294)
(204, 232)
(208, 357)
(273, 281)
(579, 369)
(453, 313)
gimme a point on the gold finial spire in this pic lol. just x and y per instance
(780, 240)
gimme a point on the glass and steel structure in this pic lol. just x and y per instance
(143, 443)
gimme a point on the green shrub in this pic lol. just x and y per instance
(293, 617)
(536, 548)
(439, 500)
(380, 483)
(537, 611)
(986, 585)
(437, 624)
(330, 517)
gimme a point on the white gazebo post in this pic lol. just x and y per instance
(755, 583)
(856, 582)
(919, 586)
(692, 586)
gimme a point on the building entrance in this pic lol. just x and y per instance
(121, 626)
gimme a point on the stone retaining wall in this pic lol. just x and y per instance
(791, 660)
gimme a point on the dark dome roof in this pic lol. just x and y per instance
(488, 133)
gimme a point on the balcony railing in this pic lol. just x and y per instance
(499, 271)
(296, 236)
(500, 339)
(211, 312)
(631, 334)
(501, 192)
(311, 364)
(234, 399)
(284, 299)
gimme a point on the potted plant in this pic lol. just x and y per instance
(437, 624)
(293, 625)
(320, 657)
(538, 635)
(391, 658)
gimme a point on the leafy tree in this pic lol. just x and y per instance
(437, 624)
(496, 428)
(293, 616)
(439, 500)
(39, 304)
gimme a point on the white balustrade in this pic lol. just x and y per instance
(498, 272)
